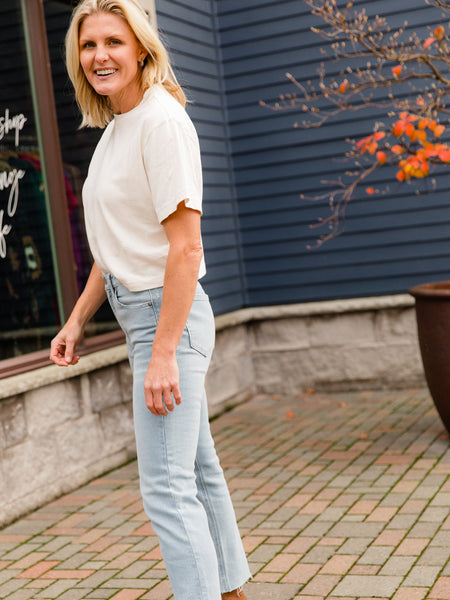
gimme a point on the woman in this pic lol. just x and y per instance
(142, 201)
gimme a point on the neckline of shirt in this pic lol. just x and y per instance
(148, 92)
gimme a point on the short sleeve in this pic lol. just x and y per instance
(173, 165)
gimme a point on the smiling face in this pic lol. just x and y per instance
(109, 57)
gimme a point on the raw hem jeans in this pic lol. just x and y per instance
(182, 484)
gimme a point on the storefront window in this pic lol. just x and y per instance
(29, 312)
(44, 256)
(77, 146)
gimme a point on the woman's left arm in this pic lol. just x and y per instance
(182, 228)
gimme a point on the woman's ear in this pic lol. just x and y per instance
(142, 56)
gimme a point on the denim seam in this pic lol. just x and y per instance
(193, 344)
(180, 516)
(214, 523)
(153, 308)
(139, 306)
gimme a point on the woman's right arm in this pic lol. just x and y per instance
(63, 346)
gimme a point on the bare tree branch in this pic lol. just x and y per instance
(394, 71)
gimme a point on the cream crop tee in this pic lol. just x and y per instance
(146, 162)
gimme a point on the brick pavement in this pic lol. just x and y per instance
(339, 497)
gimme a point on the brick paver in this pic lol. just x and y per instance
(339, 497)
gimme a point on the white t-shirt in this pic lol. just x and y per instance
(146, 162)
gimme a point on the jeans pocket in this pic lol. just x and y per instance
(201, 327)
(127, 299)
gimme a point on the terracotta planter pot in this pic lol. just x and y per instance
(433, 323)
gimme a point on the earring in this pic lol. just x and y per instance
(141, 63)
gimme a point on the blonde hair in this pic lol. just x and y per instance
(95, 108)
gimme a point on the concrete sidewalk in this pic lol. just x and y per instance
(338, 496)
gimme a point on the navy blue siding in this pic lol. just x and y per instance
(390, 243)
(189, 30)
(230, 54)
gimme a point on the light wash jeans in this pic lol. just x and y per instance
(182, 484)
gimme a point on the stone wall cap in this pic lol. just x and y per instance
(305, 309)
(19, 384)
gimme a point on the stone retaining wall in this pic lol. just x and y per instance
(368, 349)
(62, 427)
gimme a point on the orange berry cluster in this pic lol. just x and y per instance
(412, 155)
(415, 129)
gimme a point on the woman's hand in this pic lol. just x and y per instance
(64, 344)
(161, 384)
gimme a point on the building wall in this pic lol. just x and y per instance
(390, 242)
(189, 30)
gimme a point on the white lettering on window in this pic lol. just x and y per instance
(12, 123)
(9, 180)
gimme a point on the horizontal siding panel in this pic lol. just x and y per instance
(202, 82)
(341, 289)
(218, 195)
(345, 273)
(306, 212)
(198, 13)
(262, 13)
(198, 60)
(225, 223)
(214, 178)
(218, 162)
(258, 81)
(324, 260)
(216, 265)
(250, 49)
(216, 211)
(198, 96)
(210, 129)
(396, 229)
(225, 239)
(231, 12)
(215, 147)
(204, 113)
(357, 217)
(225, 301)
(259, 31)
(217, 271)
(307, 142)
(234, 6)
(310, 178)
(200, 65)
(365, 243)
